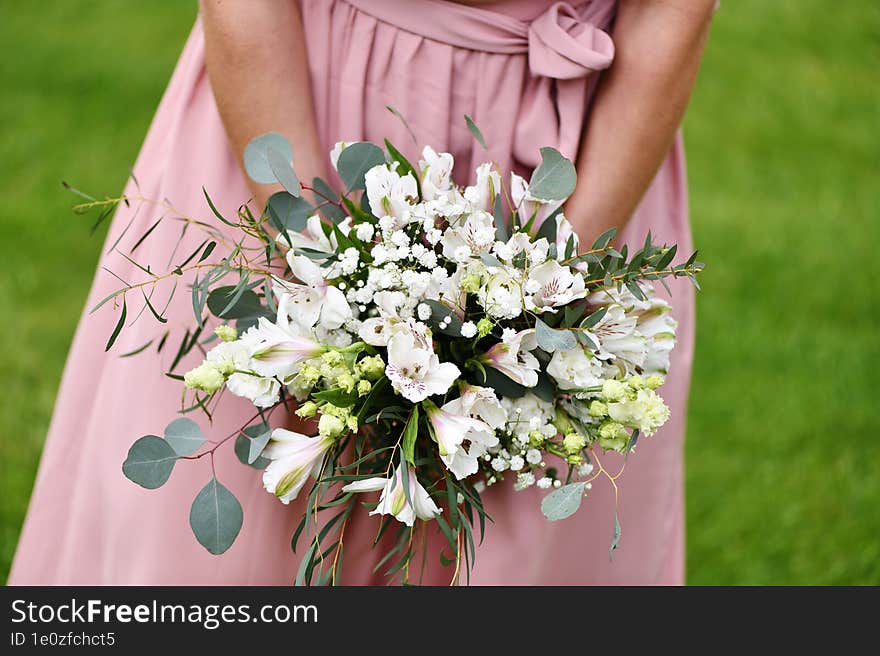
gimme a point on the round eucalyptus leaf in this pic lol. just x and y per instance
(552, 339)
(215, 517)
(355, 161)
(149, 462)
(563, 502)
(256, 156)
(289, 212)
(282, 167)
(243, 453)
(184, 436)
(555, 177)
(247, 305)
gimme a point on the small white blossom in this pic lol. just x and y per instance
(364, 231)
(468, 329)
(424, 311)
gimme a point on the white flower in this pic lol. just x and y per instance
(364, 231)
(451, 429)
(564, 232)
(517, 463)
(501, 295)
(375, 331)
(414, 370)
(533, 456)
(390, 194)
(313, 236)
(278, 351)
(394, 496)
(474, 236)
(556, 286)
(647, 411)
(436, 171)
(513, 358)
(480, 402)
(468, 329)
(617, 338)
(521, 411)
(481, 196)
(575, 369)
(658, 327)
(294, 456)
(315, 301)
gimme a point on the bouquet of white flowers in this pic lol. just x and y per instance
(434, 339)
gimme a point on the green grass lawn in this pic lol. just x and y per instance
(783, 445)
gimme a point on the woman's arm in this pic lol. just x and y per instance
(639, 105)
(256, 60)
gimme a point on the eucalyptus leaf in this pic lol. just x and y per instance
(243, 452)
(478, 135)
(439, 311)
(288, 212)
(184, 436)
(354, 162)
(563, 502)
(282, 167)
(256, 156)
(551, 339)
(215, 517)
(502, 384)
(259, 435)
(247, 305)
(555, 177)
(149, 462)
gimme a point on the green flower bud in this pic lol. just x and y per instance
(598, 409)
(226, 368)
(573, 442)
(309, 375)
(333, 358)
(574, 459)
(562, 422)
(307, 409)
(205, 377)
(613, 436)
(346, 381)
(484, 326)
(352, 423)
(536, 438)
(471, 283)
(371, 367)
(330, 426)
(614, 390)
(363, 387)
(636, 382)
(226, 333)
(654, 381)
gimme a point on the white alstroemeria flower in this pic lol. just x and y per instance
(414, 370)
(394, 496)
(315, 301)
(436, 173)
(374, 331)
(481, 196)
(501, 296)
(313, 236)
(391, 194)
(294, 457)
(451, 427)
(473, 236)
(617, 338)
(279, 350)
(521, 242)
(528, 204)
(575, 369)
(658, 327)
(513, 358)
(556, 286)
(564, 232)
(234, 358)
(482, 403)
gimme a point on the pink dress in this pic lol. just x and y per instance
(524, 70)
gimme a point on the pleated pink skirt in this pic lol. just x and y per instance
(525, 71)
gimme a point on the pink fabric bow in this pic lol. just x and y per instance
(564, 47)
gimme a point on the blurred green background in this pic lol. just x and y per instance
(783, 448)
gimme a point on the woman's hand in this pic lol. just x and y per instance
(256, 59)
(638, 108)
